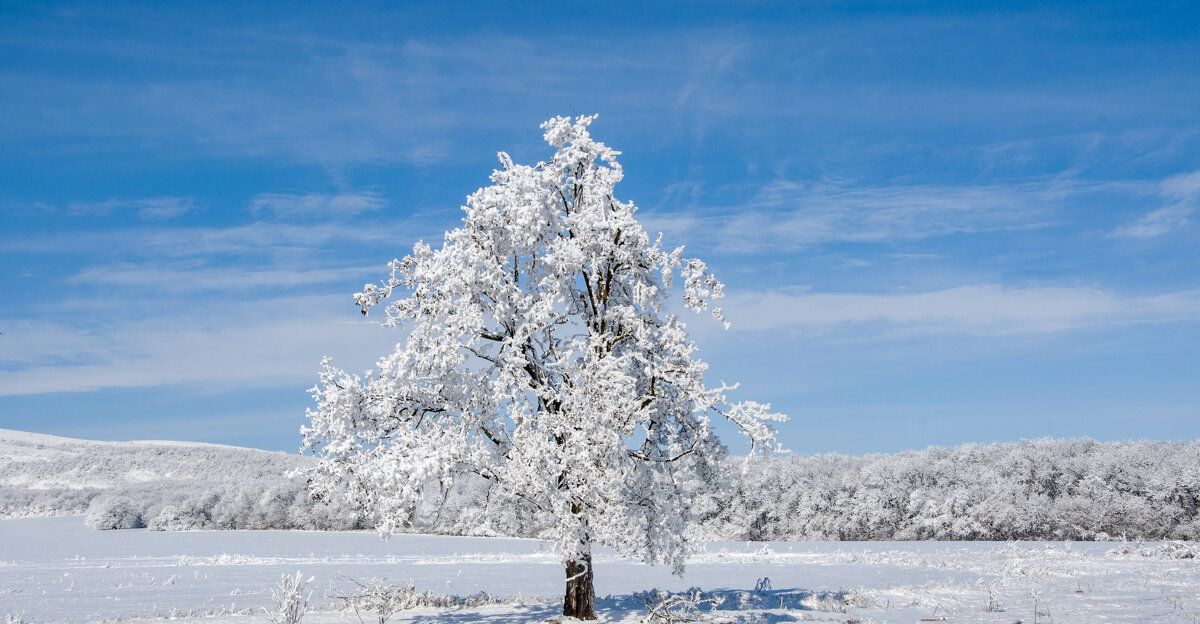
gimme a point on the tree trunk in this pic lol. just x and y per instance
(580, 600)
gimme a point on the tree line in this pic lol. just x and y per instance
(1077, 489)
(1043, 489)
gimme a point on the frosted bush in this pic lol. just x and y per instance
(377, 597)
(177, 517)
(668, 608)
(290, 601)
(114, 512)
(385, 600)
(1166, 550)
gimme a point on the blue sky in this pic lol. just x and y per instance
(937, 223)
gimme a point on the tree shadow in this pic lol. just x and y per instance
(762, 605)
(498, 614)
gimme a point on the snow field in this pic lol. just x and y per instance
(57, 570)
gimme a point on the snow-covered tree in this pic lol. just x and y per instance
(540, 356)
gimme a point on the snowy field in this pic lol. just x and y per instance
(56, 569)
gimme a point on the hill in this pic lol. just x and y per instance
(159, 484)
(39, 461)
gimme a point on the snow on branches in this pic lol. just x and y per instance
(541, 358)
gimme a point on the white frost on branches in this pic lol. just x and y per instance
(540, 357)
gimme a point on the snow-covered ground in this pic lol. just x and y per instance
(56, 569)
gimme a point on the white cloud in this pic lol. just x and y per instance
(202, 305)
(258, 238)
(28, 343)
(1157, 222)
(233, 352)
(1183, 189)
(786, 215)
(1183, 186)
(157, 208)
(337, 206)
(984, 309)
(264, 237)
(230, 278)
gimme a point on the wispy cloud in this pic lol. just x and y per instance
(1182, 186)
(266, 237)
(1184, 192)
(41, 343)
(786, 215)
(235, 350)
(162, 279)
(322, 100)
(983, 309)
(1157, 222)
(258, 238)
(154, 208)
(333, 206)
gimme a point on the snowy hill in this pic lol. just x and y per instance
(39, 461)
(45, 475)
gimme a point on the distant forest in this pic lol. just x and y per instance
(1043, 489)
(1032, 490)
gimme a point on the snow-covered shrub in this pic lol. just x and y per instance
(271, 509)
(26, 502)
(232, 508)
(310, 515)
(181, 516)
(114, 512)
(671, 608)
(1166, 550)
(376, 596)
(385, 600)
(290, 601)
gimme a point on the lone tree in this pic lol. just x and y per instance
(541, 359)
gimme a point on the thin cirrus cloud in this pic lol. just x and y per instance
(336, 102)
(1157, 222)
(1182, 186)
(1183, 191)
(333, 101)
(786, 215)
(41, 343)
(981, 309)
(201, 279)
(259, 237)
(789, 216)
(153, 208)
(318, 205)
(234, 348)
(265, 236)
